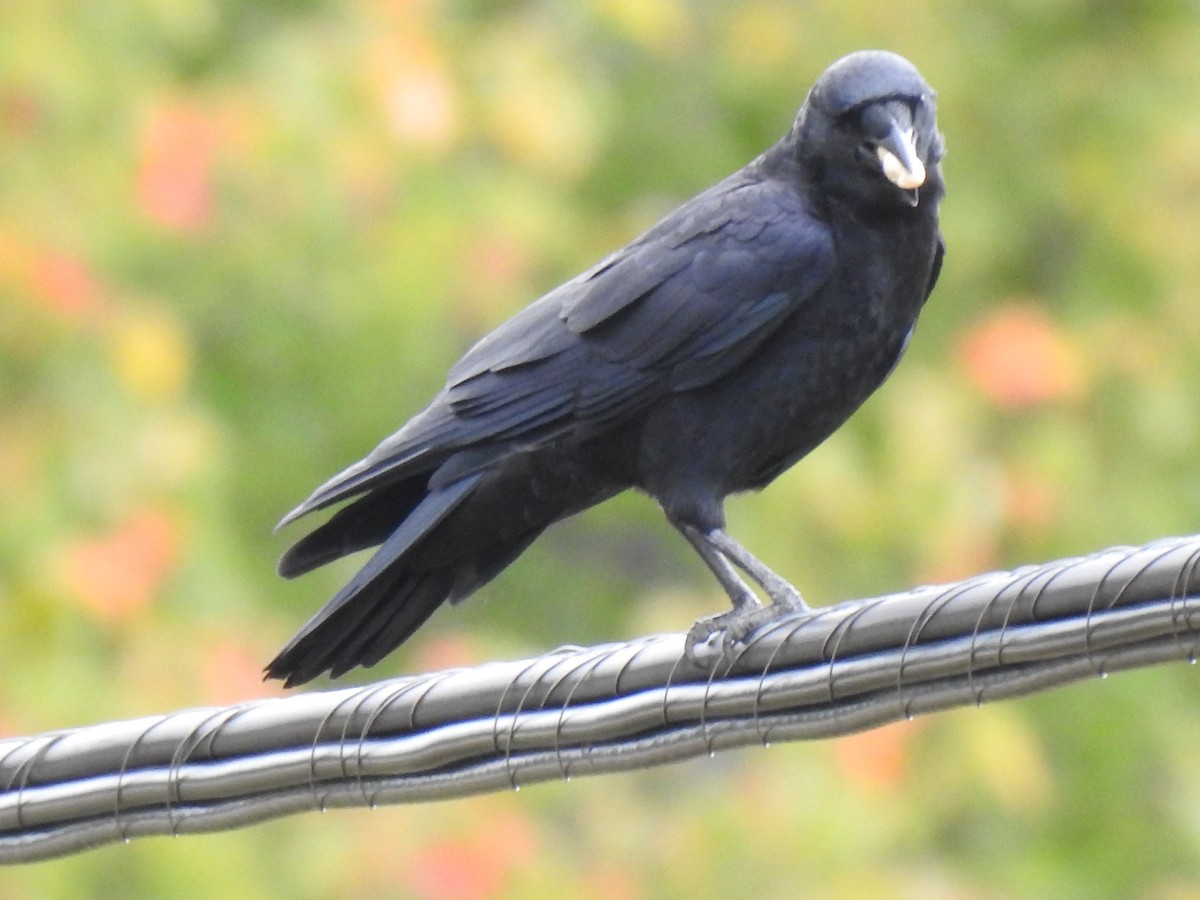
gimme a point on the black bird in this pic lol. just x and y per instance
(704, 358)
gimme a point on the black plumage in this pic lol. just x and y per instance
(702, 359)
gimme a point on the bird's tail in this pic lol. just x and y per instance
(389, 597)
(439, 539)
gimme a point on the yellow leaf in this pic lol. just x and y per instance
(151, 355)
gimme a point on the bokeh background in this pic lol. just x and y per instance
(241, 242)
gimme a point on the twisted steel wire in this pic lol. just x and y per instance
(578, 711)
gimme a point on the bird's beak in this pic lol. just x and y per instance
(898, 154)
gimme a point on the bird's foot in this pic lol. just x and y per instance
(727, 633)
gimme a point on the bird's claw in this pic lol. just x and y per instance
(732, 629)
(696, 645)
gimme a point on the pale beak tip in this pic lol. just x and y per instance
(904, 177)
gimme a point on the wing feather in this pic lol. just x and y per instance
(679, 308)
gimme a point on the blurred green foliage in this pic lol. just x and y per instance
(240, 243)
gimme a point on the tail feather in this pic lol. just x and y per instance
(380, 617)
(366, 522)
(397, 608)
(385, 601)
(449, 539)
(329, 646)
(404, 619)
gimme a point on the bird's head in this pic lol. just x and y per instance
(869, 130)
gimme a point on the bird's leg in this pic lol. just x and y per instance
(743, 598)
(717, 547)
(783, 595)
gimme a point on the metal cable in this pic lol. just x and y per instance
(578, 711)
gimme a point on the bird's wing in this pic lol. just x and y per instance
(939, 254)
(679, 308)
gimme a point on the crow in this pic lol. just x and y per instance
(702, 359)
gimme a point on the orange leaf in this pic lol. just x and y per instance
(175, 171)
(876, 759)
(116, 575)
(1031, 499)
(1018, 357)
(446, 651)
(232, 672)
(21, 110)
(64, 284)
(476, 866)
(453, 868)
